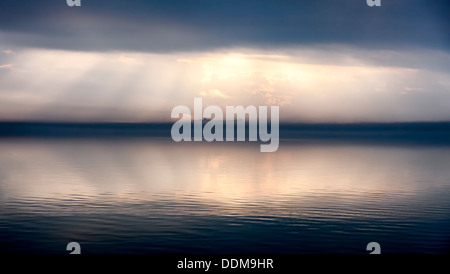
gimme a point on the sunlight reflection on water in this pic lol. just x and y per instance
(152, 196)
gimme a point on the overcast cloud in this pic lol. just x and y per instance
(129, 60)
(181, 25)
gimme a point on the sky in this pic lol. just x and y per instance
(133, 61)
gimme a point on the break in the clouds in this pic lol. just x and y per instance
(320, 61)
(317, 85)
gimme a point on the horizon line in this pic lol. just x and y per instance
(246, 121)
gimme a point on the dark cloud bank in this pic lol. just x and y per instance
(186, 25)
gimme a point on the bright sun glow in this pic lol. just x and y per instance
(130, 86)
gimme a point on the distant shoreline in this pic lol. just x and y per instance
(415, 132)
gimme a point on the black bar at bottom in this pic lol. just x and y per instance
(184, 263)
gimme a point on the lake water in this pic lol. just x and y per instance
(149, 195)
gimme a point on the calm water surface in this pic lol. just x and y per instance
(156, 196)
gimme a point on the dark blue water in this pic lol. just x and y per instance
(149, 195)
